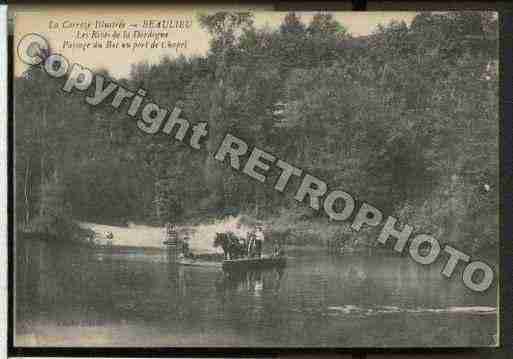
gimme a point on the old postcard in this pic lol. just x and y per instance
(241, 177)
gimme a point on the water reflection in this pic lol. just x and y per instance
(69, 295)
(253, 282)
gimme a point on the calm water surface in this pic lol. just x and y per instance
(68, 296)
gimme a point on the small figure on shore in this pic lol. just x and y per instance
(170, 228)
(171, 234)
(109, 236)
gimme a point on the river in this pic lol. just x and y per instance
(76, 296)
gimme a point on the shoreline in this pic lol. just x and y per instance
(286, 230)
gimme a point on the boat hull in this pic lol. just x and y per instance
(254, 263)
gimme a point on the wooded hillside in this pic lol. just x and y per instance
(405, 118)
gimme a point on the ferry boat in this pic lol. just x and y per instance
(263, 262)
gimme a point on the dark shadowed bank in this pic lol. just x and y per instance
(405, 119)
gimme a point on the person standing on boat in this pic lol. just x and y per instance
(251, 243)
(187, 253)
(259, 241)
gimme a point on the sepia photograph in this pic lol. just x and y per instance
(235, 177)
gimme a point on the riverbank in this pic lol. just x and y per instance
(283, 229)
(201, 235)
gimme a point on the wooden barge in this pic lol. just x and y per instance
(175, 248)
(264, 262)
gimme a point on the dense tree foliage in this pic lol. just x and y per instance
(405, 118)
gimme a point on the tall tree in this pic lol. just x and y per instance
(224, 27)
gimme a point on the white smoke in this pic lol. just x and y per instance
(202, 236)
